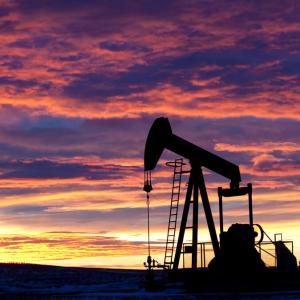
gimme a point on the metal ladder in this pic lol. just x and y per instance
(177, 165)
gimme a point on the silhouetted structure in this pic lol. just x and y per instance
(236, 253)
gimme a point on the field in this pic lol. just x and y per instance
(39, 282)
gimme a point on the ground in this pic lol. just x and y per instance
(39, 282)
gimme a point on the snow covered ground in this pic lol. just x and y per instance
(26, 282)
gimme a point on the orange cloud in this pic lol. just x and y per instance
(261, 147)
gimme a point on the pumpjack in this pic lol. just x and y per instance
(235, 251)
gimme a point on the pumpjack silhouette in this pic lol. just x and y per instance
(237, 251)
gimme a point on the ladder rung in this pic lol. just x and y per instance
(185, 172)
(189, 227)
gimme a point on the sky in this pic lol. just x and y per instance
(81, 83)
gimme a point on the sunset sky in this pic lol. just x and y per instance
(81, 83)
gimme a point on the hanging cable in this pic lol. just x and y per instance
(148, 189)
(148, 219)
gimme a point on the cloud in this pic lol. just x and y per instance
(261, 147)
(47, 169)
(130, 67)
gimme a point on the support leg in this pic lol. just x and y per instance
(195, 223)
(208, 214)
(250, 204)
(220, 210)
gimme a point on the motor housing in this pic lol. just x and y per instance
(237, 251)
